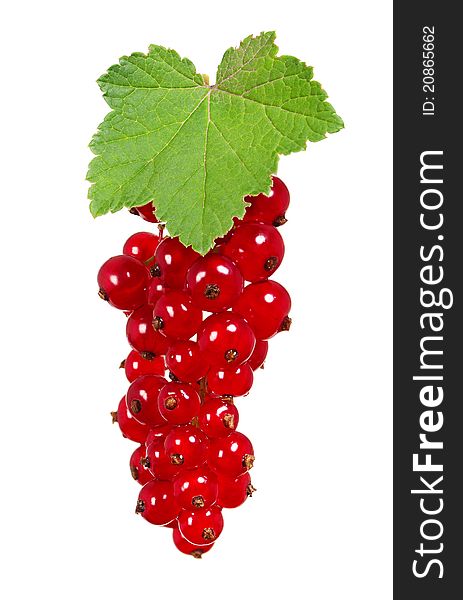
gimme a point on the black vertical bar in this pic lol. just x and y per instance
(428, 119)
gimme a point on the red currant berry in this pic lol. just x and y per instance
(269, 209)
(214, 282)
(141, 245)
(233, 492)
(225, 339)
(186, 446)
(178, 403)
(231, 456)
(217, 417)
(196, 488)
(259, 355)
(156, 502)
(142, 400)
(129, 426)
(186, 547)
(230, 381)
(265, 306)
(175, 316)
(172, 261)
(136, 366)
(159, 463)
(223, 239)
(123, 281)
(257, 249)
(142, 336)
(155, 290)
(146, 212)
(139, 473)
(185, 360)
(201, 526)
(157, 434)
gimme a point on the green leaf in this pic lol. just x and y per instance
(196, 150)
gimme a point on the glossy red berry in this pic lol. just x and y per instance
(158, 462)
(265, 306)
(186, 446)
(259, 355)
(186, 361)
(214, 282)
(226, 339)
(201, 526)
(233, 492)
(269, 209)
(218, 417)
(186, 547)
(136, 366)
(156, 502)
(129, 426)
(138, 471)
(175, 316)
(155, 290)
(142, 336)
(196, 488)
(231, 456)
(257, 249)
(172, 261)
(141, 245)
(178, 403)
(146, 212)
(142, 400)
(230, 381)
(157, 434)
(123, 281)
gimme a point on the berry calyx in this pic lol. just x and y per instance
(123, 281)
(214, 282)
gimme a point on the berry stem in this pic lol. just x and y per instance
(202, 389)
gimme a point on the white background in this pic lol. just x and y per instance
(319, 415)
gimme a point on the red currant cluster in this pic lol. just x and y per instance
(192, 317)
